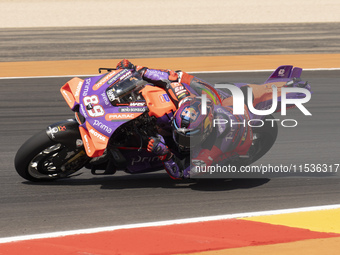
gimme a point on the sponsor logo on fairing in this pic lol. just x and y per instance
(105, 79)
(97, 134)
(82, 111)
(102, 126)
(121, 116)
(121, 75)
(164, 98)
(125, 74)
(110, 95)
(86, 87)
(132, 109)
(77, 93)
(67, 96)
(137, 104)
(140, 159)
(87, 144)
(106, 101)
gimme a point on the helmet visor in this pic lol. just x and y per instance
(189, 139)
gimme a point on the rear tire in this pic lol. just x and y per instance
(265, 139)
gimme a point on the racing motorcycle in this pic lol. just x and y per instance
(115, 114)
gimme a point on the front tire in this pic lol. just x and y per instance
(41, 159)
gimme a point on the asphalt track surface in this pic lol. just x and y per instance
(29, 105)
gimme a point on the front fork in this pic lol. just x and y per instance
(67, 134)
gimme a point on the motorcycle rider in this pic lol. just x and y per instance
(192, 131)
(208, 144)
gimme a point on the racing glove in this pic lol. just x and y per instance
(157, 146)
(172, 169)
(125, 64)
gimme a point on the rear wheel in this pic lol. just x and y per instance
(41, 159)
(263, 139)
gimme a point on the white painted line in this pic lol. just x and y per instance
(208, 72)
(167, 223)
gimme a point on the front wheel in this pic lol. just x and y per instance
(41, 159)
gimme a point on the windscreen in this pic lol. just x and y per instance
(121, 91)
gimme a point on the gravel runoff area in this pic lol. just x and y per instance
(65, 13)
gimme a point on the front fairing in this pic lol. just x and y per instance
(90, 98)
(106, 118)
(108, 101)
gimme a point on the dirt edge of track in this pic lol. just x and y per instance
(188, 64)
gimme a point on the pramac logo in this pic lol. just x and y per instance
(121, 116)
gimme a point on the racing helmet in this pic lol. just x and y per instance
(190, 128)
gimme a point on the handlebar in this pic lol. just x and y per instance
(106, 69)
